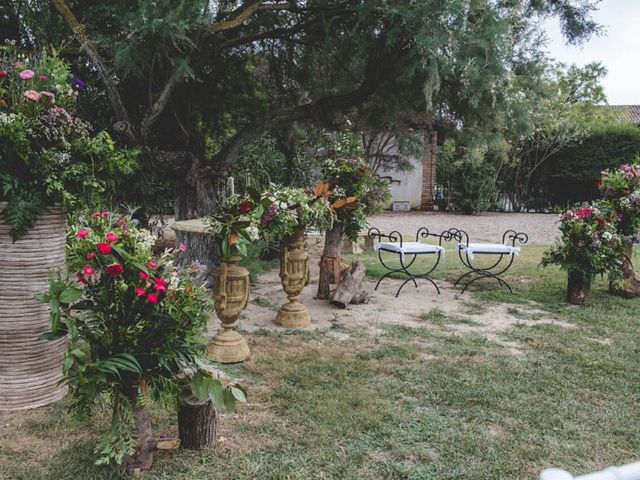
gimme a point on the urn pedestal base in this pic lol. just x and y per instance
(293, 315)
(228, 346)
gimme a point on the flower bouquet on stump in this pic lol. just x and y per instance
(589, 245)
(287, 213)
(234, 226)
(135, 326)
(621, 188)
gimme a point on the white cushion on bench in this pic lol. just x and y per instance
(409, 248)
(488, 248)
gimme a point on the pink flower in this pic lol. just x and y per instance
(87, 270)
(143, 275)
(43, 78)
(48, 97)
(106, 214)
(95, 214)
(140, 291)
(32, 95)
(82, 233)
(159, 285)
(183, 247)
(152, 298)
(114, 269)
(26, 74)
(104, 247)
(111, 237)
(152, 265)
(91, 256)
(3, 74)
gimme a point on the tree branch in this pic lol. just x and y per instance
(115, 100)
(237, 20)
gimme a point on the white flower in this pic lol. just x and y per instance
(254, 233)
(606, 236)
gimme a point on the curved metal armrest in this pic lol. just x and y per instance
(455, 234)
(512, 236)
(393, 236)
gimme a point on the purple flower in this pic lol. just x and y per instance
(266, 218)
(78, 84)
(273, 208)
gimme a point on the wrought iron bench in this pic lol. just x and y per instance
(506, 250)
(396, 245)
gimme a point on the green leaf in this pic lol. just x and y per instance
(70, 295)
(42, 297)
(238, 393)
(49, 336)
(229, 400)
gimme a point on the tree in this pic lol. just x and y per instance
(193, 82)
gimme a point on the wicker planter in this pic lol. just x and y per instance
(578, 288)
(30, 369)
(294, 273)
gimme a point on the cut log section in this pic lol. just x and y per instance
(350, 288)
(197, 424)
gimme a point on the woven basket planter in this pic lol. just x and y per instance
(30, 369)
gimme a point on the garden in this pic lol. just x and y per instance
(200, 281)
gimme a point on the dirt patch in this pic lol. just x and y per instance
(415, 307)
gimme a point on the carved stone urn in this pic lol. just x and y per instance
(294, 273)
(231, 294)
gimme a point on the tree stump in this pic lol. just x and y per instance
(629, 286)
(330, 262)
(578, 288)
(350, 287)
(197, 424)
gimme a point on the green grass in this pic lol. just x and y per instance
(411, 403)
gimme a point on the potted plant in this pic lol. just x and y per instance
(234, 225)
(621, 188)
(589, 245)
(50, 163)
(287, 213)
(134, 324)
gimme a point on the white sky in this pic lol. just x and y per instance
(618, 49)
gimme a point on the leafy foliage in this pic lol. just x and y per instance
(134, 324)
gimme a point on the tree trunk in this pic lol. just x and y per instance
(350, 286)
(142, 459)
(197, 424)
(629, 285)
(578, 288)
(330, 262)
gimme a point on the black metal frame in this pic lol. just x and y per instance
(493, 271)
(396, 237)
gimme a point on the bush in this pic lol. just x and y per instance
(570, 176)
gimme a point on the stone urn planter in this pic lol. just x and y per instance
(30, 368)
(231, 295)
(294, 273)
(578, 288)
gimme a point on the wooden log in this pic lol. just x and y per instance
(350, 286)
(197, 424)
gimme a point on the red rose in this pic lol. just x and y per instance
(82, 233)
(151, 264)
(106, 214)
(81, 278)
(3, 74)
(43, 78)
(140, 291)
(90, 256)
(143, 275)
(159, 285)
(152, 298)
(246, 206)
(104, 247)
(114, 269)
(87, 270)
(111, 237)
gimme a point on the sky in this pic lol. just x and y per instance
(617, 48)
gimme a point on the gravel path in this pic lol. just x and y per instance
(541, 228)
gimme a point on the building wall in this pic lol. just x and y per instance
(409, 187)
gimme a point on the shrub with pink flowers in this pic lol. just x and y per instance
(48, 155)
(134, 323)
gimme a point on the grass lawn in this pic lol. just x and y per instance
(410, 403)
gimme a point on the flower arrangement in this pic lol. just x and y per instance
(47, 154)
(286, 210)
(134, 324)
(235, 224)
(621, 187)
(590, 243)
(354, 190)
